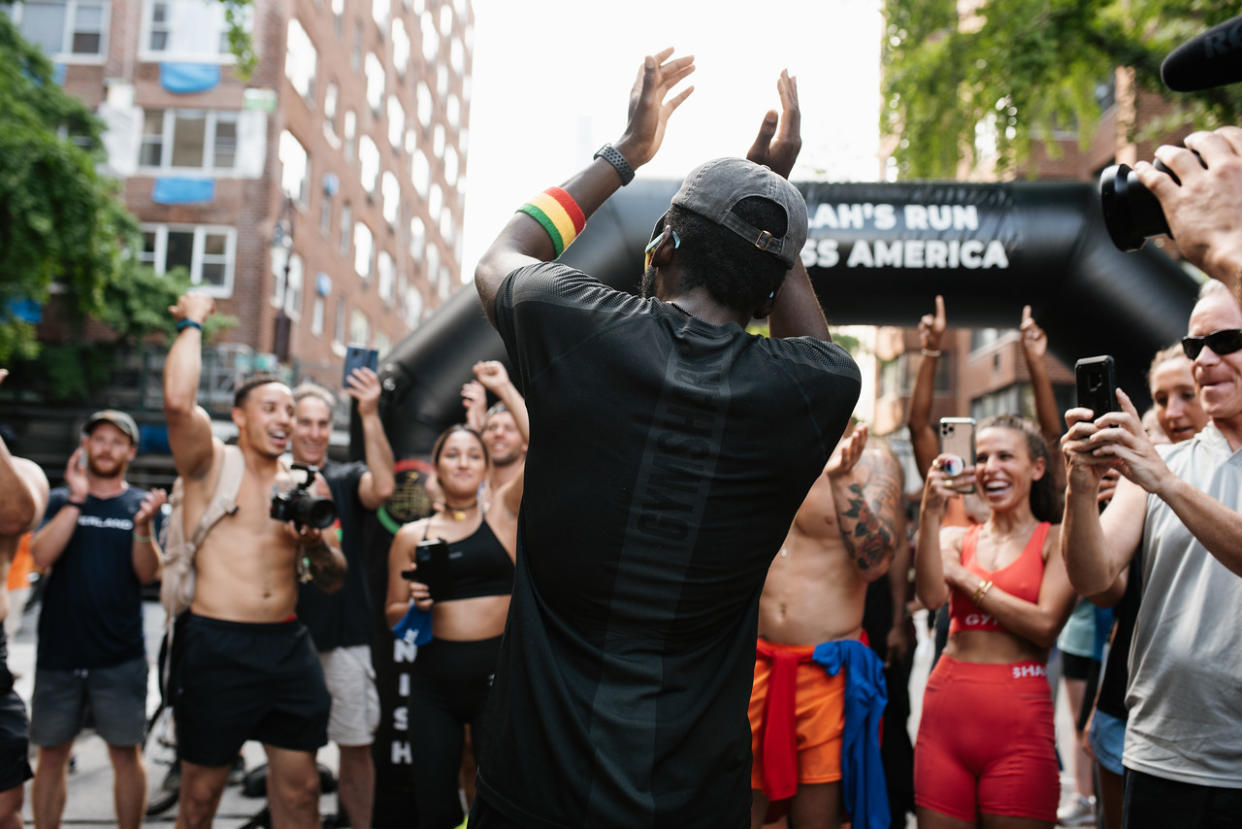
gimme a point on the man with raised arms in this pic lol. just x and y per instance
(243, 666)
(25, 497)
(842, 539)
(669, 451)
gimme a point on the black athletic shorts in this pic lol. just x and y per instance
(237, 681)
(14, 728)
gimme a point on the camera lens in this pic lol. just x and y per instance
(1131, 212)
(320, 513)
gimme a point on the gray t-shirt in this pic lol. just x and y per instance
(1185, 692)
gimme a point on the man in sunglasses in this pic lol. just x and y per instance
(1179, 508)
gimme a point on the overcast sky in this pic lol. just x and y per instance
(551, 80)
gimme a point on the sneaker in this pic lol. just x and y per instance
(1079, 812)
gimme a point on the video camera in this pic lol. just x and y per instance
(301, 506)
(1214, 58)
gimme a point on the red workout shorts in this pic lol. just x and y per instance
(986, 742)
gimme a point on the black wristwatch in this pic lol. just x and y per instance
(613, 156)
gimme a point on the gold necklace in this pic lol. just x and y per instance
(459, 513)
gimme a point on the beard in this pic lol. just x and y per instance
(506, 460)
(116, 471)
(648, 282)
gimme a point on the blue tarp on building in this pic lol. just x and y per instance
(184, 78)
(171, 190)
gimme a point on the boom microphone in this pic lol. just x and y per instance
(1213, 58)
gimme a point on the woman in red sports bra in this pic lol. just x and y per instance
(985, 752)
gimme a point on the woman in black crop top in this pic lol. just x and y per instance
(453, 672)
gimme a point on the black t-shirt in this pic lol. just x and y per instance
(1112, 696)
(92, 609)
(343, 618)
(667, 459)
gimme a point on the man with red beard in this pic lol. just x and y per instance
(25, 495)
(243, 666)
(97, 539)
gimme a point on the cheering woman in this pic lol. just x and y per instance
(985, 750)
(468, 599)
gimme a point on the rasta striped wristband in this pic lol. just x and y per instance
(558, 214)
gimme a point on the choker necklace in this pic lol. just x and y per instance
(459, 513)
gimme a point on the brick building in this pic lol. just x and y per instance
(321, 200)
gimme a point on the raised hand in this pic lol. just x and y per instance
(492, 374)
(193, 306)
(1128, 446)
(75, 474)
(1034, 340)
(780, 137)
(847, 453)
(363, 385)
(474, 401)
(931, 327)
(150, 505)
(650, 106)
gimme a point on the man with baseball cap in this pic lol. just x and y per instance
(97, 538)
(669, 452)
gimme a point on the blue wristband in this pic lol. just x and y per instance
(184, 324)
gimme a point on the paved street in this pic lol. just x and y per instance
(90, 785)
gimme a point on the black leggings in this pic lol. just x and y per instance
(449, 686)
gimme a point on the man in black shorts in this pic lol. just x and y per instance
(669, 452)
(243, 666)
(25, 497)
(97, 541)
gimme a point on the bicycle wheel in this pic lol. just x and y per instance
(159, 754)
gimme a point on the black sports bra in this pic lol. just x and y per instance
(479, 564)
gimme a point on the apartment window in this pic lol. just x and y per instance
(420, 175)
(329, 114)
(437, 141)
(418, 238)
(351, 132)
(64, 30)
(317, 312)
(424, 104)
(457, 56)
(338, 328)
(387, 276)
(446, 227)
(205, 251)
(368, 163)
(300, 62)
(442, 79)
(396, 123)
(392, 198)
(347, 226)
(450, 166)
(435, 201)
(400, 47)
(359, 328)
(413, 307)
(189, 139)
(362, 250)
(188, 29)
(379, 12)
(294, 169)
(432, 263)
(293, 287)
(431, 38)
(325, 216)
(375, 83)
(382, 344)
(452, 110)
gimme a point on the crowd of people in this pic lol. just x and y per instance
(650, 574)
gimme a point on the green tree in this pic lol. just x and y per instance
(62, 227)
(1019, 69)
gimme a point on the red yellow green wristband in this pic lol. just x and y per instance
(558, 214)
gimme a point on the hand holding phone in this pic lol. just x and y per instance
(431, 562)
(357, 356)
(1096, 380)
(957, 438)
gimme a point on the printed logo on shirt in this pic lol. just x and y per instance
(980, 620)
(105, 523)
(1024, 671)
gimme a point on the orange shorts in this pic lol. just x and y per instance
(820, 719)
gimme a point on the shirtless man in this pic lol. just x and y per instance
(842, 538)
(243, 667)
(25, 497)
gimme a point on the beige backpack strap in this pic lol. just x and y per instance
(224, 499)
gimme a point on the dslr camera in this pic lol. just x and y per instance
(1132, 213)
(302, 507)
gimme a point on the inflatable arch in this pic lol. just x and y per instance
(877, 254)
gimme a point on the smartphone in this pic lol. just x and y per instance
(1096, 378)
(432, 559)
(358, 357)
(957, 437)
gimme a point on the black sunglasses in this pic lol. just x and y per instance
(1225, 341)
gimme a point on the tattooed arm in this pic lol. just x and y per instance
(866, 492)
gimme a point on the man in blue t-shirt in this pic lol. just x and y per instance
(97, 539)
